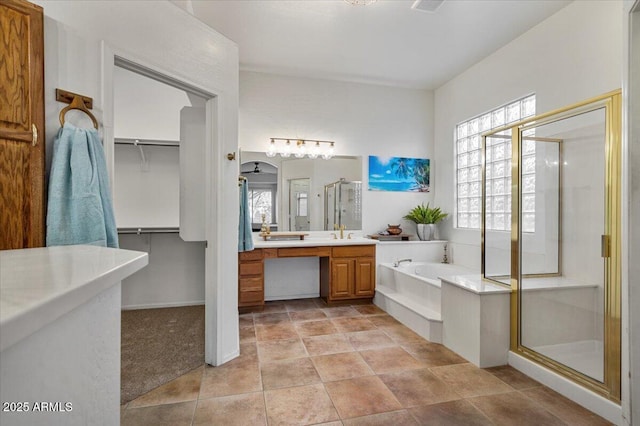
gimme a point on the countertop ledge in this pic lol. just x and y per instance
(314, 242)
(39, 285)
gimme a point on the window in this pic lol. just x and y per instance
(468, 157)
(261, 201)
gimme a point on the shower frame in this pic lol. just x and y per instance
(611, 240)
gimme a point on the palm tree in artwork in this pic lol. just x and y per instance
(421, 169)
(401, 167)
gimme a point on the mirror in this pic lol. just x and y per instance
(291, 191)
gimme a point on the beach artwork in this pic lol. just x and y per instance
(398, 174)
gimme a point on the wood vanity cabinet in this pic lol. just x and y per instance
(352, 273)
(251, 278)
(346, 272)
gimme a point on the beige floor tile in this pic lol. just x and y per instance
(277, 350)
(246, 409)
(418, 387)
(369, 310)
(374, 339)
(383, 320)
(280, 331)
(184, 388)
(179, 414)
(271, 318)
(563, 408)
(433, 354)
(247, 334)
(402, 334)
(327, 344)
(386, 360)
(361, 396)
(246, 320)
(315, 328)
(341, 366)
(513, 377)
(308, 315)
(304, 405)
(353, 324)
(395, 418)
(288, 373)
(300, 305)
(223, 381)
(342, 311)
(453, 413)
(248, 357)
(273, 307)
(468, 380)
(514, 408)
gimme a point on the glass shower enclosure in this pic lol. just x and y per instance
(343, 205)
(559, 252)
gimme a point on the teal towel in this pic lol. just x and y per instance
(245, 238)
(79, 208)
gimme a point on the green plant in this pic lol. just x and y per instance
(425, 214)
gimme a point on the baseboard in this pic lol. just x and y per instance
(161, 305)
(292, 297)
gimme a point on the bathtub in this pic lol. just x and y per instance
(411, 294)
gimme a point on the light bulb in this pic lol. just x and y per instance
(271, 152)
(301, 149)
(314, 151)
(286, 152)
(327, 155)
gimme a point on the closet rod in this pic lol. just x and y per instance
(148, 230)
(151, 142)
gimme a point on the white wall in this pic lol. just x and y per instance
(573, 55)
(159, 35)
(362, 119)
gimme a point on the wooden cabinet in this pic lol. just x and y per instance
(352, 273)
(251, 278)
(346, 272)
(22, 143)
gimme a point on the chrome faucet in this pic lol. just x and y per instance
(398, 262)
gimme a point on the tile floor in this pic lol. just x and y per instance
(302, 363)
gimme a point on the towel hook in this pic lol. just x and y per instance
(77, 103)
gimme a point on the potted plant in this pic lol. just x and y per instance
(425, 219)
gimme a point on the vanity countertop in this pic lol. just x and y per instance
(39, 285)
(314, 242)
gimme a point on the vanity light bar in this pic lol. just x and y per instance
(304, 147)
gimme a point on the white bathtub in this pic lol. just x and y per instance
(411, 294)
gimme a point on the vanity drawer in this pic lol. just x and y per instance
(250, 284)
(354, 251)
(250, 268)
(250, 298)
(250, 255)
(270, 253)
(302, 252)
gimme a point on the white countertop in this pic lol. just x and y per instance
(475, 284)
(314, 240)
(39, 285)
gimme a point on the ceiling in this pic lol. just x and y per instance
(383, 43)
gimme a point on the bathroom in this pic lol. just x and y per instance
(364, 119)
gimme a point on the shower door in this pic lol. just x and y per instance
(568, 317)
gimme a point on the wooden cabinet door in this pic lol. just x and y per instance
(22, 143)
(342, 278)
(365, 280)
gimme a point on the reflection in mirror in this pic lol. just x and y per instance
(343, 205)
(285, 175)
(299, 204)
(262, 179)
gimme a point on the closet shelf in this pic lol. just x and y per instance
(168, 230)
(146, 142)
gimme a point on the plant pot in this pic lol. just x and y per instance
(426, 231)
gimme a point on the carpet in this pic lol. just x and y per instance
(159, 345)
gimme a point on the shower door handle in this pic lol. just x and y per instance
(605, 246)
